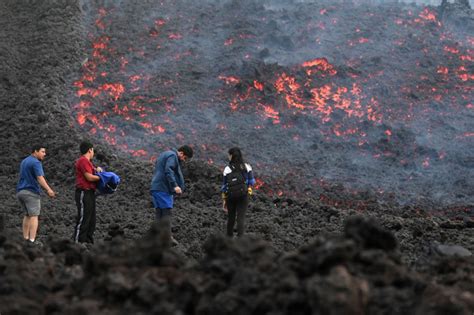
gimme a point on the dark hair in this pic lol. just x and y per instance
(85, 146)
(187, 150)
(236, 158)
(37, 147)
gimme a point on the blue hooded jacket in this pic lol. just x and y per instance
(108, 182)
(167, 174)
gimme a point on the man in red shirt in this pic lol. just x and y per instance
(86, 182)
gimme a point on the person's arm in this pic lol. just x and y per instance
(87, 170)
(169, 173)
(90, 177)
(224, 191)
(39, 173)
(44, 184)
(250, 178)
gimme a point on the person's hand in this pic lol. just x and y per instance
(178, 190)
(99, 169)
(51, 193)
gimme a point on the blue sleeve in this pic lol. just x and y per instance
(224, 184)
(38, 169)
(170, 166)
(250, 179)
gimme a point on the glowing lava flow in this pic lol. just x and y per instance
(329, 79)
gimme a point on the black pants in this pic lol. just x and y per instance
(85, 224)
(236, 208)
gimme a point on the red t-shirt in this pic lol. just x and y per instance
(82, 166)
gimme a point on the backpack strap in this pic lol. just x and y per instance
(242, 172)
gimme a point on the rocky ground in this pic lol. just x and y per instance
(341, 254)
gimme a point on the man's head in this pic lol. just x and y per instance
(185, 153)
(38, 151)
(87, 148)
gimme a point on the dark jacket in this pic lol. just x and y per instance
(248, 176)
(167, 174)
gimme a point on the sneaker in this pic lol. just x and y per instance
(36, 243)
(174, 242)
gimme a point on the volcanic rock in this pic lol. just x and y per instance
(356, 118)
(451, 250)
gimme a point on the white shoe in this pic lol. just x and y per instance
(174, 242)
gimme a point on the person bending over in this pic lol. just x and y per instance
(167, 182)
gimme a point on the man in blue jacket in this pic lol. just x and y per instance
(168, 181)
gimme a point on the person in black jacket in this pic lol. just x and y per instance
(237, 183)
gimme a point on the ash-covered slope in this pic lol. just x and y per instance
(374, 96)
(43, 47)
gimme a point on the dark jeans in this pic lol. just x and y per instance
(164, 216)
(236, 208)
(85, 224)
(161, 214)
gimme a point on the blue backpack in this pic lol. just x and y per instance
(108, 183)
